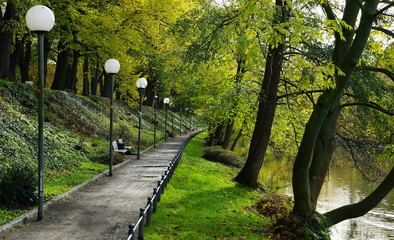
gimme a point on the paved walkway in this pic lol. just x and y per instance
(105, 208)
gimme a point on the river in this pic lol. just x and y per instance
(344, 185)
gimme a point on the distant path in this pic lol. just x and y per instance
(104, 209)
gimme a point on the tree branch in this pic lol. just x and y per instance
(299, 93)
(371, 105)
(365, 205)
(382, 70)
(384, 30)
(389, 5)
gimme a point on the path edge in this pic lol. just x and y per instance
(31, 215)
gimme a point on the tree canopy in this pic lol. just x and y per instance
(297, 78)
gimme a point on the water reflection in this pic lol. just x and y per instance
(343, 186)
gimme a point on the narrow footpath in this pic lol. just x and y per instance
(106, 206)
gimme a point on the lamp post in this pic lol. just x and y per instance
(111, 67)
(186, 118)
(172, 119)
(141, 85)
(40, 20)
(155, 125)
(166, 101)
(180, 121)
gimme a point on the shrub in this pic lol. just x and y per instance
(101, 155)
(274, 205)
(17, 185)
(227, 157)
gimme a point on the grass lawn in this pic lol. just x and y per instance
(202, 202)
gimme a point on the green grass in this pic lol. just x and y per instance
(7, 215)
(202, 202)
(62, 182)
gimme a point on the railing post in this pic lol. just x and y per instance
(142, 225)
(162, 186)
(158, 190)
(155, 197)
(149, 213)
(132, 231)
(166, 178)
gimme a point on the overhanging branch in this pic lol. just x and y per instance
(384, 30)
(371, 105)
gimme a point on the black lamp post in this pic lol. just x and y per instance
(155, 125)
(172, 119)
(186, 118)
(112, 67)
(141, 84)
(180, 121)
(166, 101)
(40, 20)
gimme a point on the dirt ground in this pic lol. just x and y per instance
(105, 208)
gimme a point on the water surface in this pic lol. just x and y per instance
(343, 186)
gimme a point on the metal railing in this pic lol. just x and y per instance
(146, 213)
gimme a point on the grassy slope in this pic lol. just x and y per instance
(202, 202)
(76, 131)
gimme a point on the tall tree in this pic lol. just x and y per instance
(314, 155)
(267, 102)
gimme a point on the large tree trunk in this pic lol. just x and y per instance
(267, 106)
(265, 115)
(95, 77)
(24, 61)
(322, 153)
(85, 90)
(241, 70)
(315, 150)
(106, 89)
(228, 132)
(59, 81)
(71, 83)
(6, 40)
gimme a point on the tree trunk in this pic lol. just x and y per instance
(228, 133)
(59, 81)
(267, 106)
(15, 55)
(85, 90)
(236, 139)
(71, 83)
(24, 61)
(95, 77)
(322, 122)
(106, 89)
(322, 153)
(6, 40)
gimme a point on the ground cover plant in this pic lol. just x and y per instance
(202, 202)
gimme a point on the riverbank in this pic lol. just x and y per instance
(202, 202)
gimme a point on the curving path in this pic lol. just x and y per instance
(105, 206)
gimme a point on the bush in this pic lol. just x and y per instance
(274, 205)
(17, 185)
(227, 157)
(101, 155)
